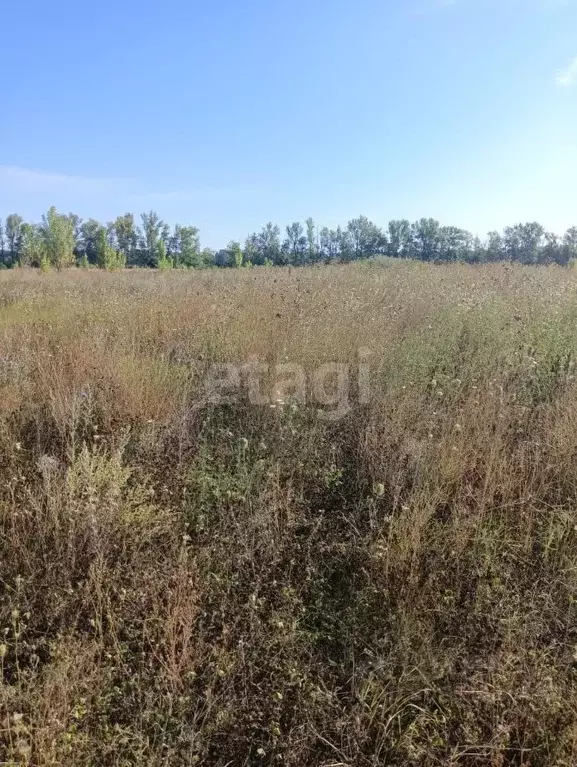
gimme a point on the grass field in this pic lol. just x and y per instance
(378, 570)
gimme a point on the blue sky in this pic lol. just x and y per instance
(227, 114)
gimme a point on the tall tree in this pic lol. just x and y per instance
(58, 232)
(184, 246)
(251, 251)
(344, 244)
(523, 242)
(267, 245)
(14, 234)
(126, 236)
(455, 244)
(426, 239)
(400, 239)
(163, 260)
(295, 244)
(569, 247)
(329, 245)
(311, 241)
(33, 246)
(107, 257)
(231, 256)
(495, 247)
(365, 237)
(152, 228)
(550, 249)
(89, 237)
(207, 257)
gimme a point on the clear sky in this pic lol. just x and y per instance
(228, 113)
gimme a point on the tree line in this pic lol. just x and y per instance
(61, 240)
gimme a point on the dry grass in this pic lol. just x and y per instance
(187, 583)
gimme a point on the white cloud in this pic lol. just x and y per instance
(568, 76)
(33, 191)
(23, 179)
(44, 182)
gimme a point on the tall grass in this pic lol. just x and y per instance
(185, 582)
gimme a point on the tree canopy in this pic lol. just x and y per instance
(63, 240)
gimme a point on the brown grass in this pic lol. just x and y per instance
(190, 583)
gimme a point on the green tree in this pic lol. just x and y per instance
(231, 256)
(426, 239)
(455, 244)
(365, 238)
(185, 247)
(477, 254)
(33, 246)
(251, 251)
(107, 257)
(268, 244)
(523, 242)
(568, 251)
(399, 243)
(329, 245)
(550, 249)
(163, 261)
(495, 248)
(207, 257)
(126, 236)
(1, 240)
(87, 244)
(236, 254)
(58, 232)
(13, 230)
(295, 244)
(152, 228)
(77, 233)
(311, 241)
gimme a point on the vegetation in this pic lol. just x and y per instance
(184, 581)
(67, 240)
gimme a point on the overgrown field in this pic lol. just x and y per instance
(193, 581)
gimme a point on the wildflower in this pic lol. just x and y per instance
(379, 489)
(244, 443)
(18, 446)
